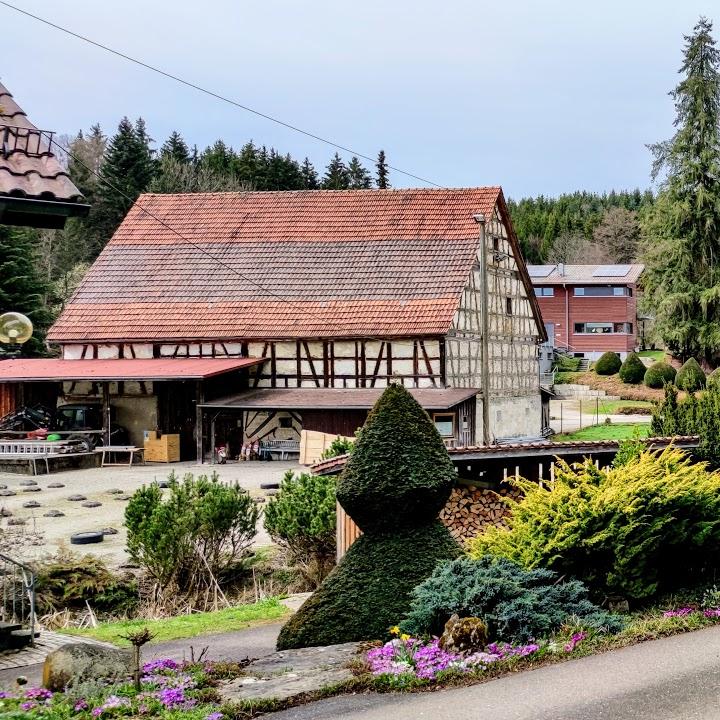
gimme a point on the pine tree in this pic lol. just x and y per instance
(176, 148)
(309, 176)
(22, 289)
(360, 178)
(126, 171)
(336, 175)
(682, 230)
(382, 171)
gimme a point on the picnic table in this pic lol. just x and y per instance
(111, 450)
(282, 447)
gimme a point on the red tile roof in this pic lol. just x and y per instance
(260, 265)
(28, 167)
(54, 369)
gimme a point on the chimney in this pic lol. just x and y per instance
(561, 269)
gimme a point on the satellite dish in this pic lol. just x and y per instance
(15, 328)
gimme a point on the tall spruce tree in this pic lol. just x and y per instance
(360, 178)
(176, 148)
(126, 171)
(682, 230)
(382, 177)
(22, 288)
(336, 175)
(309, 175)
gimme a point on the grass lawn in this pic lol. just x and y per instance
(187, 626)
(619, 431)
(656, 355)
(610, 407)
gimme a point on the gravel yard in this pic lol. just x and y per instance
(109, 486)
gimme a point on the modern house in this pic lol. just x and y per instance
(588, 309)
(233, 316)
(35, 189)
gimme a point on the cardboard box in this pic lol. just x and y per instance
(161, 448)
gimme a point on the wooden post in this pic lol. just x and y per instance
(485, 325)
(106, 412)
(199, 421)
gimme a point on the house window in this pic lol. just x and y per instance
(285, 422)
(544, 292)
(496, 244)
(445, 424)
(602, 291)
(603, 328)
(508, 306)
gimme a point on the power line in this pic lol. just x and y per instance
(211, 93)
(302, 310)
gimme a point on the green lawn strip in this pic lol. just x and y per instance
(656, 355)
(616, 431)
(610, 407)
(188, 626)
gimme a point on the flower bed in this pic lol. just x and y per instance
(168, 689)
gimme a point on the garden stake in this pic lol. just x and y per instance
(138, 639)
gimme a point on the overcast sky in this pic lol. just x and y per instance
(542, 97)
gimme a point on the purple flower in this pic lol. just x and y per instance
(214, 716)
(4, 694)
(80, 705)
(715, 612)
(574, 641)
(164, 664)
(38, 693)
(682, 612)
(29, 705)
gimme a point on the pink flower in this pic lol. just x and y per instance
(575, 640)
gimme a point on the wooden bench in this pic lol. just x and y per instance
(131, 451)
(32, 459)
(283, 447)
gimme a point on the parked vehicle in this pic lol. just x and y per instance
(81, 422)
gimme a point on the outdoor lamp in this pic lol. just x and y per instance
(15, 329)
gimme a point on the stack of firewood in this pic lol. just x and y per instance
(470, 510)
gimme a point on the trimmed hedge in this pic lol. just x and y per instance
(517, 604)
(400, 474)
(632, 371)
(713, 379)
(642, 530)
(690, 376)
(369, 591)
(608, 364)
(659, 374)
(393, 486)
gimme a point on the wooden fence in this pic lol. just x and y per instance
(313, 444)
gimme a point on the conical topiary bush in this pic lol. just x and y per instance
(632, 371)
(395, 483)
(690, 376)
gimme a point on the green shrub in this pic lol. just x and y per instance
(608, 364)
(645, 528)
(690, 376)
(301, 519)
(565, 363)
(393, 486)
(339, 446)
(659, 374)
(369, 591)
(632, 371)
(562, 378)
(191, 539)
(713, 379)
(69, 581)
(516, 604)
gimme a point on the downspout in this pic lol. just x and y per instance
(484, 325)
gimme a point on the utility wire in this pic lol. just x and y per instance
(213, 94)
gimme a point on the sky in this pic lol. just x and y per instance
(539, 97)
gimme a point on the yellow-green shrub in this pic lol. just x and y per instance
(646, 527)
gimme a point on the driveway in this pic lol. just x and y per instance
(674, 678)
(41, 535)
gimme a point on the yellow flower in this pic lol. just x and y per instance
(404, 637)
(394, 630)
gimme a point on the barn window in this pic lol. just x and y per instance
(445, 424)
(508, 306)
(285, 422)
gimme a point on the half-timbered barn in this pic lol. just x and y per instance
(321, 298)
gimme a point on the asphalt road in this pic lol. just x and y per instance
(674, 678)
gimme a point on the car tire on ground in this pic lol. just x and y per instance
(86, 538)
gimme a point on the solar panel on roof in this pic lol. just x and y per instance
(611, 271)
(540, 271)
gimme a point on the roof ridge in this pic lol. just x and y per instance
(323, 191)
